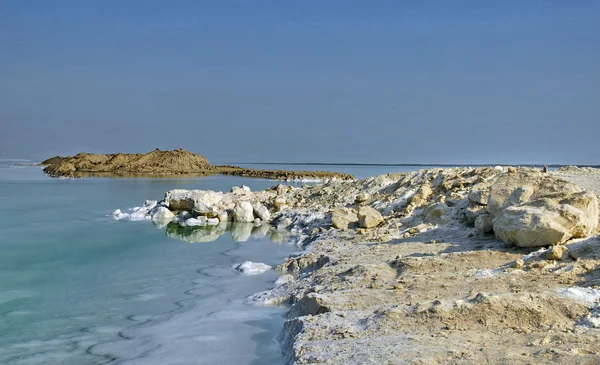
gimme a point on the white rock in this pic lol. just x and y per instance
(341, 218)
(243, 212)
(162, 216)
(548, 221)
(260, 211)
(119, 216)
(223, 216)
(369, 217)
(284, 223)
(252, 268)
(283, 280)
(179, 199)
(193, 222)
(205, 210)
(212, 221)
(139, 214)
(150, 204)
(479, 195)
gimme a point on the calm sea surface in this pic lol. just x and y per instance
(77, 287)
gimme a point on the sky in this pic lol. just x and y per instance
(465, 82)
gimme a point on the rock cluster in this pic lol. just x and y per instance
(521, 206)
(528, 209)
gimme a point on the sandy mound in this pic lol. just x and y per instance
(163, 163)
(156, 162)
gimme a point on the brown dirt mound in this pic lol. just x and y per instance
(155, 162)
(163, 163)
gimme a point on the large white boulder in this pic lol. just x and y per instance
(261, 212)
(369, 217)
(162, 216)
(179, 199)
(551, 220)
(520, 186)
(341, 218)
(243, 212)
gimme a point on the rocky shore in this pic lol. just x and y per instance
(442, 266)
(159, 163)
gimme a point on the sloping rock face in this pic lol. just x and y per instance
(532, 209)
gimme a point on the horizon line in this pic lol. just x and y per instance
(405, 164)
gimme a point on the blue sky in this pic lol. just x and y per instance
(324, 81)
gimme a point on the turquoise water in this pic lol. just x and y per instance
(77, 287)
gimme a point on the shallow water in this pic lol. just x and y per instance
(77, 287)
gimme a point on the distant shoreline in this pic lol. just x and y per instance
(404, 164)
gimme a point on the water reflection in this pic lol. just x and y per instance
(240, 232)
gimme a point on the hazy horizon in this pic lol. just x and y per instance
(414, 82)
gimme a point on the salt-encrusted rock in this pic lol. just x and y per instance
(186, 199)
(243, 212)
(223, 216)
(193, 222)
(283, 280)
(182, 217)
(162, 216)
(479, 195)
(520, 186)
(119, 216)
(434, 212)
(284, 223)
(342, 218)
(240, 190)
(363, 197)
(551, 220)
(212, 221)
(252, 268)
(150, 204)
(261, 212)
(139, 214)
(558, 253)
(279, 202)
(202, 209)
(369, 217)
(484, 223)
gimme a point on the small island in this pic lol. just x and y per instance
(159, 163)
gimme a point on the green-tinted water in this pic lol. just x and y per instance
(77, 287)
